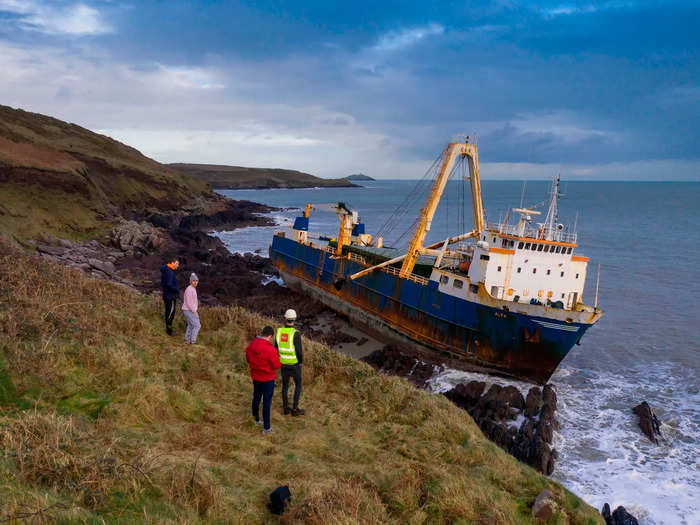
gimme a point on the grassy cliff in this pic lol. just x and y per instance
(103, 417)
(61, 179)
(237, 177)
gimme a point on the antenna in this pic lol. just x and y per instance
(522, 193)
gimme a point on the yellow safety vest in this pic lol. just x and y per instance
(285, 345)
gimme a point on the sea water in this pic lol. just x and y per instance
(646, 238)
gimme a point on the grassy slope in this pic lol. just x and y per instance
(103, 416)
(59, 178)
(237, 177)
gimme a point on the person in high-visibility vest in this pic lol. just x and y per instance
(288, 343)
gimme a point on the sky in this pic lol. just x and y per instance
(600, 90)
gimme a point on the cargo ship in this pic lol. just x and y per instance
(503, 298)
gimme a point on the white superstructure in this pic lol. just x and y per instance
(525, 262)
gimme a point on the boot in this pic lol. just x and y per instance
(286, 411)
(298, 411)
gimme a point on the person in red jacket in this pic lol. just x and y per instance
(264, 362)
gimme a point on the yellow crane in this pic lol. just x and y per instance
(416, 248)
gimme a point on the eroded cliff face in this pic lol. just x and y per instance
(60, 179)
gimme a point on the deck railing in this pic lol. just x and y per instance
(389, 269)
(532, 232)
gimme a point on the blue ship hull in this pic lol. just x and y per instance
(487, 338)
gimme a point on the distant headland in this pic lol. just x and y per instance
(359, 176)
(238, 178)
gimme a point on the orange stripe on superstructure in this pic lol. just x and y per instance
(579, 258)
(501, 250)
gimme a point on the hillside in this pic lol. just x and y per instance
(103, 417)
(59, 178)
(237, 177)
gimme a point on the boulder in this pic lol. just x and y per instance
(544, 506)
(648, 422)
(533, 403)
(105, 267)
(136, 238)
(549, 396)
(620, 516)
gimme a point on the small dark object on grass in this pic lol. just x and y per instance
(278, 499)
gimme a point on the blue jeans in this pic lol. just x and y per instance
(263, 390)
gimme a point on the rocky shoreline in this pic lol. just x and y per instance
(521, 425)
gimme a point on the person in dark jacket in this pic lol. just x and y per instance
(171, 292)
(263, 362)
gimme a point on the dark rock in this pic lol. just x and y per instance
(607, 516)
(620, 516)
(648, 422)
(513, 397)
(549, 396)
(394, 362)
(544, 506)
(545, 431)
(533, 402)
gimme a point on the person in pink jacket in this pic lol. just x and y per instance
(189, 309)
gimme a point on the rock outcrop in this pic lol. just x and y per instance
(135, 238)
(524, 427)
(648, 422)
(392, 361)
(544, 506)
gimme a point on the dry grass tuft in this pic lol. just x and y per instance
(103, 417)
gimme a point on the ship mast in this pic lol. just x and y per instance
(550, 223)
(453, 150)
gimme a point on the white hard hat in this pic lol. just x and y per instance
(290, 314)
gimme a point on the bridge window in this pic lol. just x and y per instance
(457, 283)
(520, 245)
(540, 248)
(444, 279)
(484, 257)
(533, 247)
(474, 288)
(494, 239)
(558, 249)
(568, 250)
(546, 248)
(527, 246)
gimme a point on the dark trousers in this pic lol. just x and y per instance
(263, 390)
(169, 314)
(291, 372)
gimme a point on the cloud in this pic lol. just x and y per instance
(76, 19)
(394, 40)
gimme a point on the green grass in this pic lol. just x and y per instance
(103, 417)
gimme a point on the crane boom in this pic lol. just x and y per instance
(453, 150)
